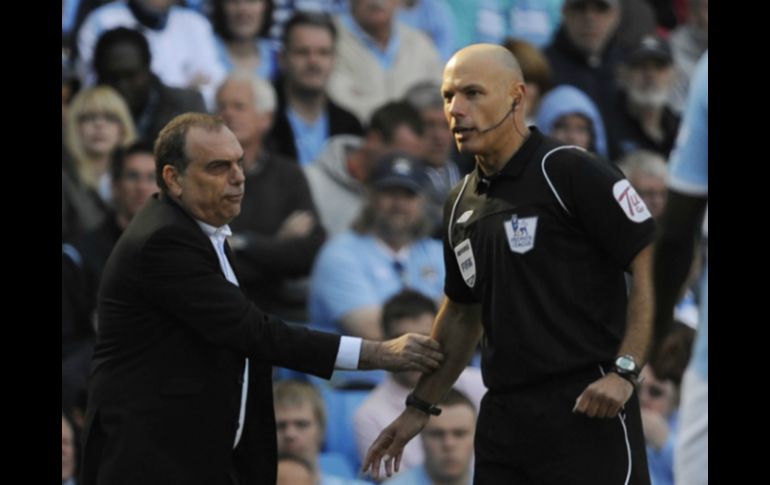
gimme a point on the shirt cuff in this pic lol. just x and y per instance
(348, 353)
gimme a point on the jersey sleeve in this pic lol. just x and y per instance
(604, 204)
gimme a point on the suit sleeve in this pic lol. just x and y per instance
(183, 279)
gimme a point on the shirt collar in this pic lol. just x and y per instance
(215, 232)
(516, 164)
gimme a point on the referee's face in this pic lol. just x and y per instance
(476, 103)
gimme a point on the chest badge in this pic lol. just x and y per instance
(521, 233)
(464, 255)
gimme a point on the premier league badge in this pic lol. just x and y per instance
(521, 233)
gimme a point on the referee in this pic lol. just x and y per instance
(536, 243)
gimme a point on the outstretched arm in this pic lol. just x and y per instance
(458, 329)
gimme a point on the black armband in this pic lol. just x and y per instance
(426, 407)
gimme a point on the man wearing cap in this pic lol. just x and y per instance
(642, 118)
(386, 251)
(536, 243)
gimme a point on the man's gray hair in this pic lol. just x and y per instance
(645, 162)
(265, 99)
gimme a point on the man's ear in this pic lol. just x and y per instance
(171, 177)
(517, 92)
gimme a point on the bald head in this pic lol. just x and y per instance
(483, 90)
(489, 58)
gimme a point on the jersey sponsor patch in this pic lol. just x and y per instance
(464, 217)
(521, 233)
(631, 203)
(466, 262)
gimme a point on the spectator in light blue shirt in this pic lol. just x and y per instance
(386, 251)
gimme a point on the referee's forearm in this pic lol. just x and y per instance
(636, 341)
(458, 329)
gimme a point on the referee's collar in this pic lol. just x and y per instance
(518, 161)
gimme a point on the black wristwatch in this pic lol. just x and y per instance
(426, 407)
(627, 368)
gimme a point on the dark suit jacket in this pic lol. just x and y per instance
(166, 378)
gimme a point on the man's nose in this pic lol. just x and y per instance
(237, 176)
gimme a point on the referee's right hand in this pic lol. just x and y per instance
(605, 397)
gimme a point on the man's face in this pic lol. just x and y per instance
(124, 70)
(299, 432)
(652, 190)
(244, 17)
(211, 187)
(421, 324)
(590, 24)
(397, 211)
(237, 107)
(136, 184)
(404, 140)
(438, 138)
(373, 15)
(574, 129)
(448, 443)
(648, 83)
(308, 58)
(67, 451)
(475, 99)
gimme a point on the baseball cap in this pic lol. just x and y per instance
(399, 170)
(650, 47)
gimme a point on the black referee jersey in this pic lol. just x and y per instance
(543, 246)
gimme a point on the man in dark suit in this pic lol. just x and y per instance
(180, 390)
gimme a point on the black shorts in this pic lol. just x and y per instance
(530, 436)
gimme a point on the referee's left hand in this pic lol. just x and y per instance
(605, 397)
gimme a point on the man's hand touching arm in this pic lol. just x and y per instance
(410, 351)
(606, 396)
(458, 329)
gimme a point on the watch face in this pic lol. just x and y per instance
(626, 363)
